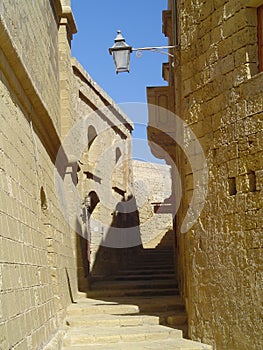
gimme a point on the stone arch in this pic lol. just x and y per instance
(43, 199)
(117, 154)
(91, 201)
(44, 210)
(92, 134)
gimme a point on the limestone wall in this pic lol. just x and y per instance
(32, 31)
(105, 173)
(45, 174)
(37, 261)
(36, 250)
(220, 97)
(152, 185)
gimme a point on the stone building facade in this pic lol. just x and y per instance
(152, 185)
(215, 85)
(104, 175)
(44, 94)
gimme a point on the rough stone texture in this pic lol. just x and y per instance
(105, 172)
(218, 92)
(152, 185)
(37, 263)
(36, 48)
(38, 257)
(36, 249)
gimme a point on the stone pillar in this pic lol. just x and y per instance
(67, 28)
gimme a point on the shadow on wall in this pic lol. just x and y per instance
(121, 241)
(82, 263)
(83, 241)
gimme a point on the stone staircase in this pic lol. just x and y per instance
(137, 308)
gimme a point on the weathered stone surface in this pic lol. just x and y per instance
(152, 186)
(219, 94)
(33, 33)
(39, 93)
(105, 172)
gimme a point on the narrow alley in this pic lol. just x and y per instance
(138, 307)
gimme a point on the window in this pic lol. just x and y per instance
(260, 38)
(232, 188)
(92, 134)
(117, 154)
(252, 181)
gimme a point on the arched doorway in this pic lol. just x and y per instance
(90, 202)
(92, 134)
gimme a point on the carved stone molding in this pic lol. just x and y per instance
(167, 23)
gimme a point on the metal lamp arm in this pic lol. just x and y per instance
(156, 49)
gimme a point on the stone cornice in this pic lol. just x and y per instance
(68, 19)
(57, 9)
(167, 23)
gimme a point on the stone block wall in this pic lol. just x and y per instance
(220, 97)
(152, 185)
(105, 173)
(32, 31)
(37, 260)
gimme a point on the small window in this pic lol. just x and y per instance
(260, 38)
(232, 188)
(117, 154)
(252, 181)
(43, 199)
(92, 134)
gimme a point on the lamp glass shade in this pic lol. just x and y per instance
(121, 54)
(121, 59)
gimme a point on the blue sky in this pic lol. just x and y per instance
(141, 24)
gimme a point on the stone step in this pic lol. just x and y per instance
(149, 267)
(145, 277)
(154, 255)
(144, 305)
(172, 318)
(141, 271)
(132, 273)
(136, 284)
(156, 250)
(132, 292)
(164, 344)
(127, 305)
(154, 260)
(154, 263)
(107, 320)
(97, 335)
(98, 307)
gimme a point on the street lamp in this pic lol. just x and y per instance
(121, 52)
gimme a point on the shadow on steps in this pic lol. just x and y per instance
(147, 281)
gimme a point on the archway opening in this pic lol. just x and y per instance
(92, 134)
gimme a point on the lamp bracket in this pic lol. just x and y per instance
(154, 49)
